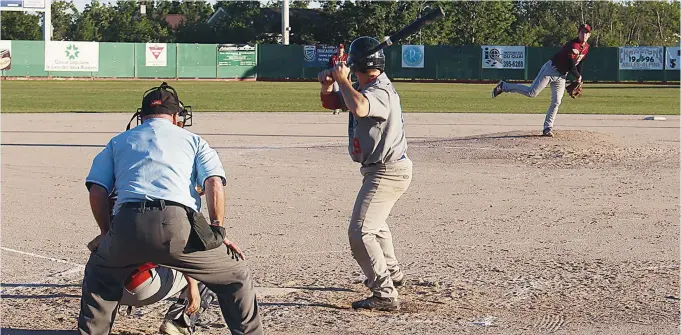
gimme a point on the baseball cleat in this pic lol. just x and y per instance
(547, 132)
(336, 111)
(377, 303)
(498, 89)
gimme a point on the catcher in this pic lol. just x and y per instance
(570, 58)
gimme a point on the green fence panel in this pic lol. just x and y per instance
(197, 60)
(116, 60)
(277, 61)
(641, 75)
(28, 59)
(144, 71)
(457, 62)
(238, 64)
(536, 58)
(601, 64)
(672, 75)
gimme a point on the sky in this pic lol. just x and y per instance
(80, 4)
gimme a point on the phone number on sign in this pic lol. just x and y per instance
(633, 59)
(513, 63)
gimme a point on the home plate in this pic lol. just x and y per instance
(274, 291)
(655, 118)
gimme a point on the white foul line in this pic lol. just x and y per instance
(77, 268)
(80, 266)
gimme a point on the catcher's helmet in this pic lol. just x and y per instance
(358, 51)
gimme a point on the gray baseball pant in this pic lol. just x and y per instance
(370, 238)
(547, 74)
(160, 235)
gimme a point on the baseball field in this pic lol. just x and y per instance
(501, 231)
(125, 96)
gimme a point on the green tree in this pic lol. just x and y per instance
(20, 26)
(241, 23)
(93, 23)
(64, 14)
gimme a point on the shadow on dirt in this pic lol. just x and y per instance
(15, 331)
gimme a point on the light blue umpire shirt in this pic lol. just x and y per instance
(153, 161)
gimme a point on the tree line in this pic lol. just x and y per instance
(531, 23)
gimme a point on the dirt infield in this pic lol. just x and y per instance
(501, 231)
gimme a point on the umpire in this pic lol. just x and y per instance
(155, 169)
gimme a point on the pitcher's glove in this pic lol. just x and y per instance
(575, 89)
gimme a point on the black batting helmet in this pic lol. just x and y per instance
(358, 50)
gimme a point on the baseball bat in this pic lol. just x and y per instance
(413, 27)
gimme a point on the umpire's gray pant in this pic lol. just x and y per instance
(547, 74)
(160, 236)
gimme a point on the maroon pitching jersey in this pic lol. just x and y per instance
(570, 57)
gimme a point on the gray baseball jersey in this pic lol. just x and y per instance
(378, 137)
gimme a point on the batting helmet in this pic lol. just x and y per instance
(361, 61)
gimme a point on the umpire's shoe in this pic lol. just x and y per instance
(377, 303)
(498, 89)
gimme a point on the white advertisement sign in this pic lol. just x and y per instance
(673, 58)
(5, 55)
(72, 56)
(413, 56)
(503, 57)
(641, 58)
(156, 54)
(34, 3)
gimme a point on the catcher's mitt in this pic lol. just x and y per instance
(575, 89)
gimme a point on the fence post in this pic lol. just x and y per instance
(527, 56)
(664, 65)
(134, 60)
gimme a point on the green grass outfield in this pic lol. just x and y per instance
(206, 96)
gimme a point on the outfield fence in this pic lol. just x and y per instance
(31, 59)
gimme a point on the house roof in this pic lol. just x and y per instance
(174, 20)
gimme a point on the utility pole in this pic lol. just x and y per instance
(47, 21)
(284, 22)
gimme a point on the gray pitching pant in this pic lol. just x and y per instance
(547, 74)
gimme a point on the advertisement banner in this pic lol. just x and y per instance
(27, 4)
(236, 55)
(413, 56)
(503, 57)
(156, 54)
(673, 56)
(318, 55)
(641, 58)
(5, 55)
(72, 56)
